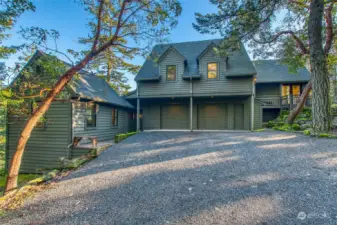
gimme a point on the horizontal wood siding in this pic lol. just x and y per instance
(104, 129)
(268, 90)
(257, 115)
(45, 146)
(164, 87)
(202, 87)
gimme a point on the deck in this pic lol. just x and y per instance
(285, 102)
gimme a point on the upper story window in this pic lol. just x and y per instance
(90, 115)
(171, 73)
(212, 70)
(114, 117)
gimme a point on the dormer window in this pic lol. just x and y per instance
(171, 73)
(212, 70)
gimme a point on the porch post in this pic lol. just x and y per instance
(252, 113)
(191, 113)
(138, 109)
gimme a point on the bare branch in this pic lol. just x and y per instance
(299, 42)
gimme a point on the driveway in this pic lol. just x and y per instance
(197, 178)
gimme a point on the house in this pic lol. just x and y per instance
(93, 109)
(188, 86)
(277, 88)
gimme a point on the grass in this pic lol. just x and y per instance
(23, 179)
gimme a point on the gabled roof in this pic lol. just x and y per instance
(170, 48)
(89, 86)
(272, 71)
(238, 63)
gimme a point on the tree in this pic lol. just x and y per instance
(133, 20)
(299, 37)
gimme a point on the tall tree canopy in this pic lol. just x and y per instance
(115, 25)
(297, 31)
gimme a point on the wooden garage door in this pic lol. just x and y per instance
(212, 117)
(174, 117)
(238, 116)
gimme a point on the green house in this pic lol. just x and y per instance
(92, 110)
(181, 86)
(188, 86)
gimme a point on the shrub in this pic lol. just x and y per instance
(307, 132)
(296, 126)
(285, 127)
(120, 137)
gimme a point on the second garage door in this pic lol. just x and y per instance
(174, 117)
(212, 117)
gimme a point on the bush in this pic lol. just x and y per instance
(120, 137)
(296, 126)
(307, 132)
(285, 127)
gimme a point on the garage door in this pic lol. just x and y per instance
(212, 117)
(238, 117)
(174, 117)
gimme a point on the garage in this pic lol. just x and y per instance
(175, 117)
(212, 117)
(239, 117)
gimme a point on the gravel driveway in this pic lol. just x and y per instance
(197, 178)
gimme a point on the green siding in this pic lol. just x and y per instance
(268, 90)
(175, 116)
(203, 87)
(104, 129)
(257, 115)
(45, 146)
(151, 117)
(164, 87)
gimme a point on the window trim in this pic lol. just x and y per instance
(167, 66)
(94, 115)
(114, 116)
(217, 71)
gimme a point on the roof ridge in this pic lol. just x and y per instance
(184, 42)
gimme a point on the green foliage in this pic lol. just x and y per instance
(296, 127)
(22, 180)
(120, 137)
(308, 132)
(259, 130)
(285, 127)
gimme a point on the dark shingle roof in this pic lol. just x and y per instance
(272, 71)
(89, 86)
(238, 62)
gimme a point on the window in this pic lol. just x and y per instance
(114, 117)
(212, 70)
(90, 115)
(171, 73)
(296, 90)
(285, 90)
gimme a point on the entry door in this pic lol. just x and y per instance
(174, 117)
(212, 117)
(238, 117)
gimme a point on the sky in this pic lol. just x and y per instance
(70, 19)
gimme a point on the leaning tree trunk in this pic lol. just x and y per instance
(321, 114)
(304, 96)
(14, 168)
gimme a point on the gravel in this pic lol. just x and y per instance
(196, 178)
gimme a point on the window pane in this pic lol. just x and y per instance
(114, 117)
(90, 115)
(297, 90)
(212, 70)
(212, 66)
(171, 72)
(285, 90)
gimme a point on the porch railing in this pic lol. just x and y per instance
(289, 101)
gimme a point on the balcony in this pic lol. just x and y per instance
(286, 102)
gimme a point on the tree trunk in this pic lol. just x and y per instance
(304, 96)
(14, 168)
(321, 114)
